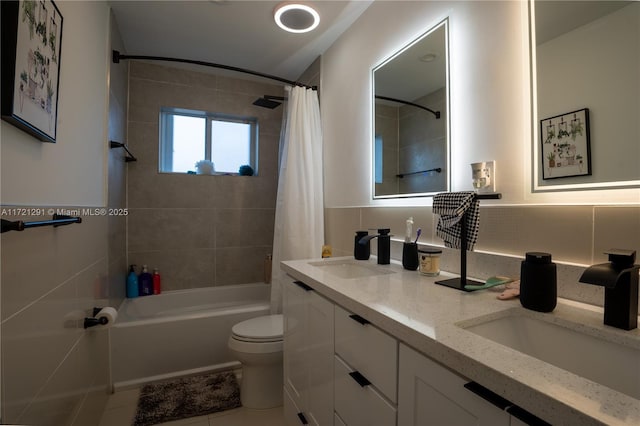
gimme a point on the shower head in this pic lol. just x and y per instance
(268, 101)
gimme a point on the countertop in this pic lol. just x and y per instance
(424, 315)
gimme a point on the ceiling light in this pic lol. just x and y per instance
(296, 18)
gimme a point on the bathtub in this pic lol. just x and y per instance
(180, 332)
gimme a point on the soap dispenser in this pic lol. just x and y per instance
(132, 283)
(361, 248)
(538, 282)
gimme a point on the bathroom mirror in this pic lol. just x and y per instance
(585, 55)
(411, 118)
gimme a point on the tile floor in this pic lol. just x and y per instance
(121, 409)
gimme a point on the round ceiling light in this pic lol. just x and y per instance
(296, 18)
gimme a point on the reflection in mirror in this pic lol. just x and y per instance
(411, 119)
(586, 54)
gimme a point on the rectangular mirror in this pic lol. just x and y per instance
(411, 119)
(585, 55)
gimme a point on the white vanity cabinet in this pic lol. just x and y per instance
(308, 356)
(430, 394)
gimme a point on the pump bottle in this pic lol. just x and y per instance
(132, 283)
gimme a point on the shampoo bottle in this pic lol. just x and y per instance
(156, 282)
(132, 282)
(145, 282)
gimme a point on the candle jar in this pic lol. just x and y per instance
(429, 262)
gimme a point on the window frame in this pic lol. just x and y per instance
(165, 160)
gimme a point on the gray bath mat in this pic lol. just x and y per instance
(187, 397)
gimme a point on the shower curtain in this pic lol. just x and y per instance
(299, 222)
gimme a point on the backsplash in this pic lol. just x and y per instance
(576, 236)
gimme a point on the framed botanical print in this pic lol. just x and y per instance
(31, 47)
(566, 149)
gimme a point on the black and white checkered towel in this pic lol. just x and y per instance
(452, 206)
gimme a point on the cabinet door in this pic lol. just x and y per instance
(308, 354)
(320, 360)
(429, 394)
(295, 342)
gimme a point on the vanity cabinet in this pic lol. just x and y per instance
(339, 369)
(308, 356)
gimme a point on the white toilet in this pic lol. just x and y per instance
(257, 344)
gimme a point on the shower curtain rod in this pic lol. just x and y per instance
(386, 98)
(117, 57)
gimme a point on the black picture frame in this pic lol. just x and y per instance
(31, 46)
(565, 145)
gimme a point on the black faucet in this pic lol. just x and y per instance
(384, 245)
(620, 280)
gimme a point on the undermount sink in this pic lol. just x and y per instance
(349, 268)
(606, 362)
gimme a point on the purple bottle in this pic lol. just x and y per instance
(145, 282)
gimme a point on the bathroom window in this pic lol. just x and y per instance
(187, 137)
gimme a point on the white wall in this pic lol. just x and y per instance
(70, 172)
(581, 69)
(490, 99)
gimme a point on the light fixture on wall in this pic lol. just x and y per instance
(296, 17)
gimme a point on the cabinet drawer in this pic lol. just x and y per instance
(368, 350)
(359, 405)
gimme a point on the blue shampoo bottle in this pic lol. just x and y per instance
(132, 282)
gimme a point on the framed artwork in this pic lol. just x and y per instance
(566, 149)
(31, 46)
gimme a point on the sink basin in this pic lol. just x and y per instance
(606, 362)
(351, 268)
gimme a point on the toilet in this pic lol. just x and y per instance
(257, 344)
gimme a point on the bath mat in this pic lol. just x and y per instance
(187, 397)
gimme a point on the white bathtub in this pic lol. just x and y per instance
(180, 332)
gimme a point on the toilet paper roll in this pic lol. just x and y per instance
(109, 313)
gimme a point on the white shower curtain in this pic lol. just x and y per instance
(299, 223)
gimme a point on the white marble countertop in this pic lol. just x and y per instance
(424, 315)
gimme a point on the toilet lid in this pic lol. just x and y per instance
(265, 328)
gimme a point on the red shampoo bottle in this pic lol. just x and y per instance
(156, 282)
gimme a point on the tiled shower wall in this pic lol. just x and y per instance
(575, 236)
(198, 230)
(413, 140)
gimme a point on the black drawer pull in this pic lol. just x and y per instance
(526, 417)
(302, 286)
(359, 319)
(303, 419)
(488, 395)
(359, 378)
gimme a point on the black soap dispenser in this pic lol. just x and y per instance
(538, 282)
(361, 250)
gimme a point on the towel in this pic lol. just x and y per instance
(452, 207)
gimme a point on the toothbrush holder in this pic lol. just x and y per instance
(410, 256)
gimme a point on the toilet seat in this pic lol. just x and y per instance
(264, 329)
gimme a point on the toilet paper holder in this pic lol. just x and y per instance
(95, 320)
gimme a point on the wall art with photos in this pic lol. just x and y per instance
(31, 46)
(566, 149)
